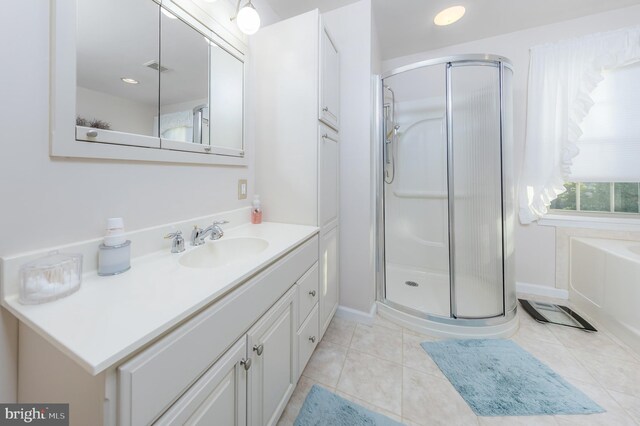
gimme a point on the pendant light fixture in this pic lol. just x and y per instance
(247, 18)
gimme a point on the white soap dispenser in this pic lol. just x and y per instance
(114, 256)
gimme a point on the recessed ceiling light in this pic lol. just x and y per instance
(129, 80)
(449, 15)
(168, 14)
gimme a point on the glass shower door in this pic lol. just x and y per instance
(415, 191)
(475, 190)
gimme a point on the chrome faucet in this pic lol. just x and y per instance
(198, 235)
(177, 244)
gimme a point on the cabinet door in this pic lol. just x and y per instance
(329, 80)
(273, 350)
(219, 397)
(328, 177)
(328, 302)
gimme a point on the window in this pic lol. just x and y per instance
(599, 197)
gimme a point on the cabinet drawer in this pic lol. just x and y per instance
(154, 379)
(307, 293)
(307, 339)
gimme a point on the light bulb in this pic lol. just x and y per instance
(248, 20)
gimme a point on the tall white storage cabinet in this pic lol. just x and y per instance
(296, 67)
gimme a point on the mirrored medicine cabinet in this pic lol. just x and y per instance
(150, 82)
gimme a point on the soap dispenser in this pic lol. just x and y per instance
(256, 211)
(114, 256)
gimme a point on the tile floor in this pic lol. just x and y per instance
(383, 367)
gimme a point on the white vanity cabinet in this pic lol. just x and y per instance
(329, 107)
(234, 363)
(272, 374)
(297, 94)
(328, 277)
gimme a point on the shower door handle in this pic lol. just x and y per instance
(387, 152)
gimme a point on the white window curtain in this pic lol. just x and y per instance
(562, 78)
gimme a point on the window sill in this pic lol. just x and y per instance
(590, 222)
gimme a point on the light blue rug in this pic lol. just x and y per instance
(324, 408)
(499, 378)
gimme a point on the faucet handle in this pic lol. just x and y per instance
(220, 222)
(173, 235)
(177, 245)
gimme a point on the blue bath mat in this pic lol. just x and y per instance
(499, 378)
(324, 408)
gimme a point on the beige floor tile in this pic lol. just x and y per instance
(326, 363)
(536, 332)
(383, 322)
(340, 331)
(557, 357)
(414, 356)
(297, 399)
(517, 421)
(378, 341)
(370, 406)
(616, 375)
(428, 400)
(599, 343)
(615, 414)
(630, 404)
(372, 380)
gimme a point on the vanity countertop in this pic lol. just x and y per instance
(110, 318)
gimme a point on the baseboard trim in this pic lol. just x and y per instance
(356, 315)
(542, 290)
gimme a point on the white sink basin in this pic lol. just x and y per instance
(224, 252)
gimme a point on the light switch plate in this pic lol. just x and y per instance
(242, 189)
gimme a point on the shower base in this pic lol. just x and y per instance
(422, 290)
(419, 299)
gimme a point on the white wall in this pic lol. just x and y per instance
(535, 245)
(46, 202)
(350, 28)
(122, 114)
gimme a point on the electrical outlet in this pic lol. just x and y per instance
(242, 189)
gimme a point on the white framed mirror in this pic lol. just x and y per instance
(145, 80)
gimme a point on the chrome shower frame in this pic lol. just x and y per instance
(509, 312)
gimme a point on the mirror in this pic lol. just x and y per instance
(227, 89)
(155, 75)
(116, 88)
(184, 82)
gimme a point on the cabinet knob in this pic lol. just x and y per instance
(246, 363)
(312, 293)
(312, 339)
(325, 109)
(92, 133)
(258, 349)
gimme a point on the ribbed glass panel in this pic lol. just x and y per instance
(476, 188)
(509, 191)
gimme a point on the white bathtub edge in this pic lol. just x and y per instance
(542, 290)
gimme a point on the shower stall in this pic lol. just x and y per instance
(446, 196)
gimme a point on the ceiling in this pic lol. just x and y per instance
(406, 26)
